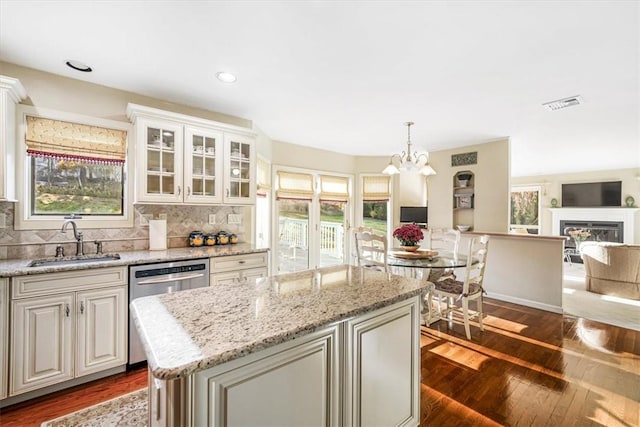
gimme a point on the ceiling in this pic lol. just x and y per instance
(345, 76)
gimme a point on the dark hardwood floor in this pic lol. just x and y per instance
(528, 368)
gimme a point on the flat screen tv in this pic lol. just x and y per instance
(417, 214)
(592, 194)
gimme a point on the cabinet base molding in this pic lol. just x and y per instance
(61, 386)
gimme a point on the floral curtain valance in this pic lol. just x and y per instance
(65, 140)
(334, 188)
(293, 185)
(375, 188)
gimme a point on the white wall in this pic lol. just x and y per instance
(551, 187)
(492, 177)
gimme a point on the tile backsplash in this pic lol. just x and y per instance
(181, 220)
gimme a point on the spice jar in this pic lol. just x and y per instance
(223, 238)
(210, 239)
(233, 238)
(196, 238)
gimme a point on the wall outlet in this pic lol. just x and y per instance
(212, 218)
(162, 216)
(145, 218)
(3, 220)
(234, 219)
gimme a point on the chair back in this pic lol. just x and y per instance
(476, 262)
(446, 239)
(371, 249)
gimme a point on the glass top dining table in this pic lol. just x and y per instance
(421, 267)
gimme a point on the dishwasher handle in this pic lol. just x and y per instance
(169, 279)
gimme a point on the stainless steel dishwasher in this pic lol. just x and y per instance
(162, 278)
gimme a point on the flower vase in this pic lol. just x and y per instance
(410, 248)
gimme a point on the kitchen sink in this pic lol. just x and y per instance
(81, 259)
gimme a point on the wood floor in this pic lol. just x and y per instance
(528, 368)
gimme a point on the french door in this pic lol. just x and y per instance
(312, 230)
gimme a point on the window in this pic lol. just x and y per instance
(72, 165)
(525, 209)
(375, 202)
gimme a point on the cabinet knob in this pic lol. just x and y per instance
(188, 191)
(179, 190)
(67, 310)
(81, 307)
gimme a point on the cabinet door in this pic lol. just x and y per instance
(159, 169)
(250, 276)
(291, 384)
(102, 329)
(203, 174)
(227, 278)
(41, 342)
(240, 186)
(383, 367)
(4, 336)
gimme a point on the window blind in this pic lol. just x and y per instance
(375, 188)
(263, 178)
(65, 140)
(334, 188)
(292, 185)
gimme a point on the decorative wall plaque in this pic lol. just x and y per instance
(463, 159)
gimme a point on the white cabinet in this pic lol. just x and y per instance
(363, 371)
(293, 384)
(382, 374)
(4, 336)
(245, 268)
(184, 159)
(11, 93)
(66, 325)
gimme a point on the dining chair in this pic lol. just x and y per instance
(464, 291)
(371, 249)
(447, 239)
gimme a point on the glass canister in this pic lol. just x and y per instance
(223, 238)
(210, 239)
(196, 238)
(233, 238)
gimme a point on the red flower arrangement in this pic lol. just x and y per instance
(408, 234)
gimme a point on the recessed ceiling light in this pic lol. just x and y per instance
(79, 66)
(225, 77)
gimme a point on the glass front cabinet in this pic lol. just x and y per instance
(192, 163)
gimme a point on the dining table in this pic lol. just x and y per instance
(424, 264)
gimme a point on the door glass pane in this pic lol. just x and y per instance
(332, 238)
(293, 231)
(374, 215)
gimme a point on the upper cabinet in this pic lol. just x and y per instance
(185, 159)
(11, 93)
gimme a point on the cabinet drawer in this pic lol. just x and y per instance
(237, 262)
(47, 284)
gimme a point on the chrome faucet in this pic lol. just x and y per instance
(76, 234)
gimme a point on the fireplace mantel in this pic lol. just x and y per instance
(625, 215)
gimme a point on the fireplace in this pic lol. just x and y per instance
(604, 224)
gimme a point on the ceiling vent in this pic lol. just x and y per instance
(563, 103)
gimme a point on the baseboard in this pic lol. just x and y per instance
(526, 302)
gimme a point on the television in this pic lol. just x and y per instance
(417, 214)
(592, 194)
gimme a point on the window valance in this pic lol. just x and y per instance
(375, 188)
(65, 140)
(334, 188)
(292, 185)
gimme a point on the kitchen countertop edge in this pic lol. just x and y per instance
(19, 267)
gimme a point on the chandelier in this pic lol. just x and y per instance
(408, 161)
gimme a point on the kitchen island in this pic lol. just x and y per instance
(333, 346)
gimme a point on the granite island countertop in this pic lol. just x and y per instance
(19, 267)
(188, 331)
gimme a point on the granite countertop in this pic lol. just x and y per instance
(18, 267)
(188, 331)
